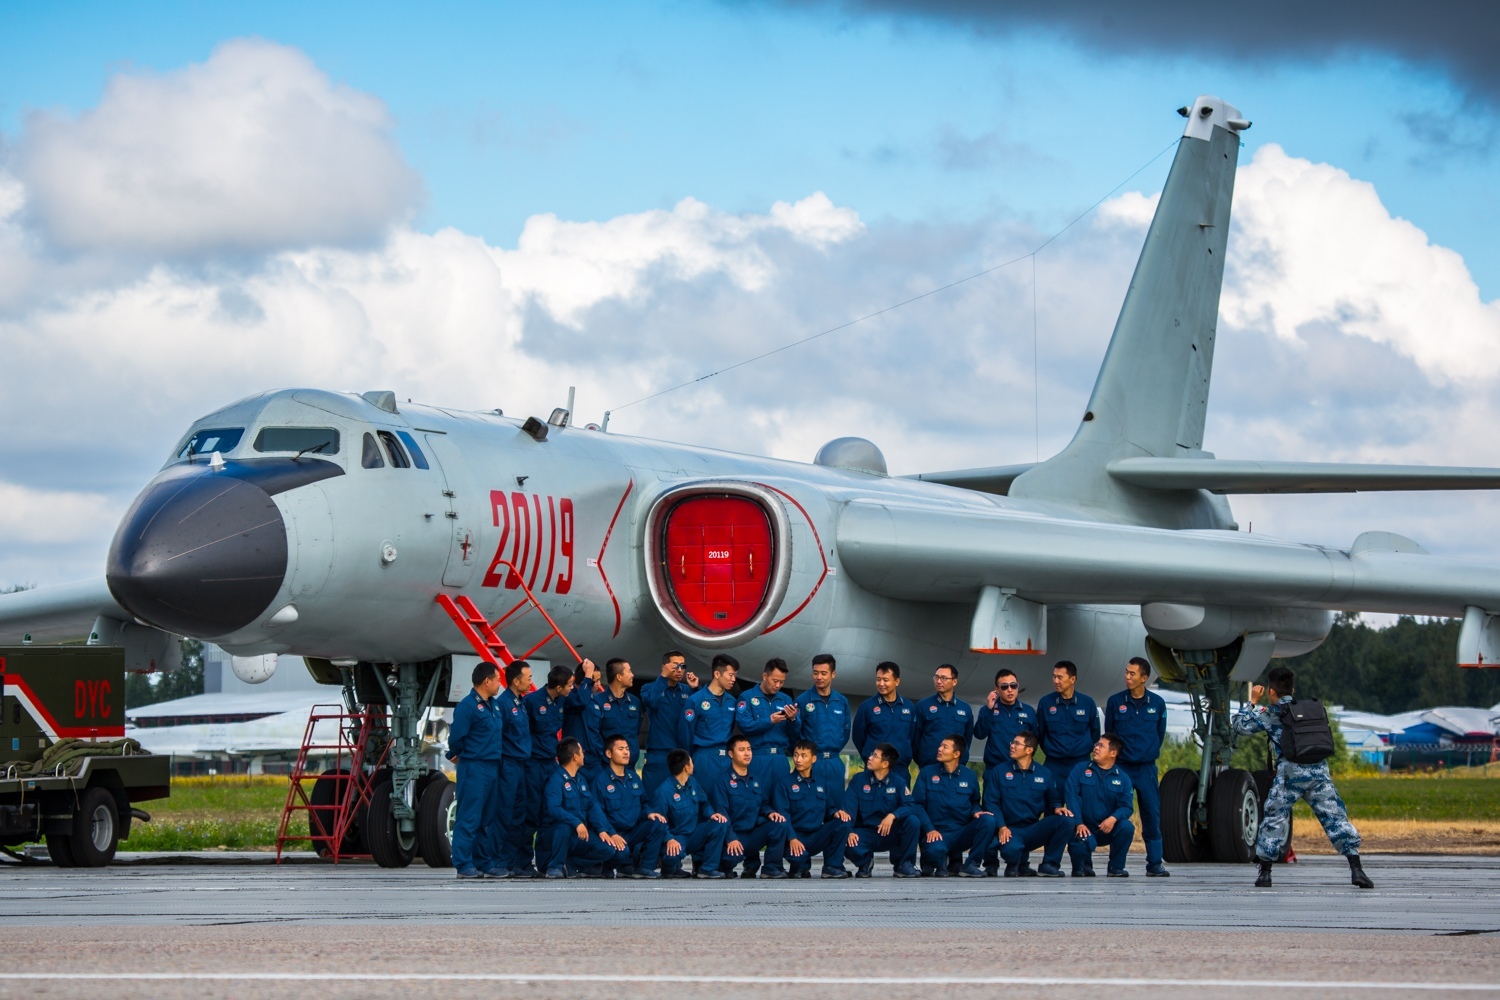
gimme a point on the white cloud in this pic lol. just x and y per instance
(253, 150)
(31, 516)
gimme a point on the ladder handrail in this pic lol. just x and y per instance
(467, 616)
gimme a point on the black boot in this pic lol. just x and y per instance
(1263, 881)
(1357, 873)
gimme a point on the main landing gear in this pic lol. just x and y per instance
(1211, 813)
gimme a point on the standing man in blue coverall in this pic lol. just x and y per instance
(882, 816)
(575, 829)
(823, 716)
(815, 814)
(1003, 716)
(619, 711)
(754, 824)
(544, 713)
(710, 719)
(666, 701)
(622, 796)
(1067, 722)
(474, 744)
(940, 715)
(1099, 797)
(515, 854)
(1139, 718)
(765, 714)
(693, 826)
(947, 793)
(581, 714)
(886, 716)
(1029, 805)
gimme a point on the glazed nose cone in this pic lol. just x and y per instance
(201, 555)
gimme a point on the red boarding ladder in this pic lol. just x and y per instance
(329, 824)
(484, 635)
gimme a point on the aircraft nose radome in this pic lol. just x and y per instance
(201, 556)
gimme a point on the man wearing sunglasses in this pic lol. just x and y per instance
(1003, 716)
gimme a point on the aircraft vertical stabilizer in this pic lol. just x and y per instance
(1151, 394)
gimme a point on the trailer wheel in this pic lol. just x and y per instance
(1183, 840)
(381, 833)
(435, 812)
(60, 851)
(1234, 816)
(96, 829)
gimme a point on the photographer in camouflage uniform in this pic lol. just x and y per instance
(1310, 781)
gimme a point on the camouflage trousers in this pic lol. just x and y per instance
(1313, 783)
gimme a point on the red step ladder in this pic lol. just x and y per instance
(484, 635)
(329, 823)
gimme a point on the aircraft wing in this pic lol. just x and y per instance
(1223, 476)
(995, 479)
(57, 614)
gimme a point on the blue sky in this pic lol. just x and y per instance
(481, 205)
(591, 110)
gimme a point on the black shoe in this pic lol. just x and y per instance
(829, 873)
(1122, 873)
(992, 872)
(679, 873)
(643, 873)
(1012, 871)
(709, 874)
(865, 871)
(936, 873)
(1084, 872)
(1026, 871)
(1157, 870)
(1263, 880)
(802, 872)
(769, 872)
(1049, 871)
(526, 872)
(1357, 873)
(750, 873)
(907, 870)
(971, 871)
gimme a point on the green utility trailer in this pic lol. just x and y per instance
(67, 773)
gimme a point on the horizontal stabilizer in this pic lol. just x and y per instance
(996, 479)
(1220, 476)
(63, 613)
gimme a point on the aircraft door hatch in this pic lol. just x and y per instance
(718, 559)
(458, 511)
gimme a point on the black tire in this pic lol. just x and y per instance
(1233, 816)
(435, 811)
(381, 833)
(96, 829)
(1183, 841)
(429, 778)
(60, 850)
(325, 792)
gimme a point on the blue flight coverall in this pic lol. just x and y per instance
(1025, 801)
(569, 803)
(544, 714)
(620, 717)
(770, 743)
(1295, 781)
(825, 721)
(810, 808)
(515, 757)
(1094, 794)
(868, 801)
(475, 742)
(581, 719)
(624, 801)
(998, 726)
(1068, 728)
(1142, 725)
(746, 800)
(665, 705)
(879, 721)
(951, 802)
(936, 720)
(710, 719)
(690, 822)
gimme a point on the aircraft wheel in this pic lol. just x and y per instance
(1183, 840)
(1234, 816)
(60, 851)
(435, 813)
(96, 829)
(387, 846)
(325, 792)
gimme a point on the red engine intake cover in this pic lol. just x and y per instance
(719, 554)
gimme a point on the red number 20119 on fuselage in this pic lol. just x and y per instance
(530, 536)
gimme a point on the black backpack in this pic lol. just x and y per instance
(1306, 736)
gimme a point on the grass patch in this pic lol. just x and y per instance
(1417, 798)
(230, 812)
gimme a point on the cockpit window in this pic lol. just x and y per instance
(370, 457)
(394, 450)
(207, 442)
(418, 459)
(312, 440)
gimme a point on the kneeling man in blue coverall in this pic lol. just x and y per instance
(576, 834)
(1101, 800)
